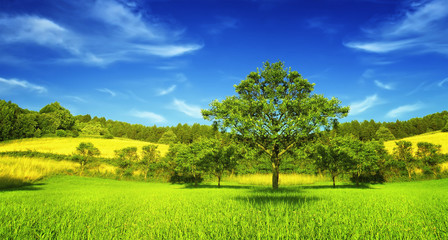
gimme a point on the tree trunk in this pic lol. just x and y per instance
(275, 170)
(334, 183)
(219, 181)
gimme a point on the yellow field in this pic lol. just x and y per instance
(284, 179)
(15, 171)
(439, 138)
(68, 145)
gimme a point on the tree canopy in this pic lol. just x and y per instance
(275, 110)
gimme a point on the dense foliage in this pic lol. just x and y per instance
(274, 110)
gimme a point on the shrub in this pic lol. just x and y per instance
(108, 136)
(61, 133)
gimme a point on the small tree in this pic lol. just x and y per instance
(126, 158)
(384, 134)
(168, 137)
(429, 155)
(403, 152)
(150, 156)
(220, 157)
(275, 112)
(363, 157)
(87, 151)
(190, 160)
(331, 156)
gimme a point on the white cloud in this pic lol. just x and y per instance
(38, 30)
(359, 107)
(12, 83)
(395, 113)
(421, 27)
(190, 110)
(76, 99)
(384, 85)
(153, 117)
(120, 32)
(106, 90)
(380, 47)
(167, 50)
(162, 92)
(440, 84)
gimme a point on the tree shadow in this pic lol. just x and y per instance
(348, 186)
(24, 187)
(210, 186)
(277, 198)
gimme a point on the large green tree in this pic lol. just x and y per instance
(275, 110)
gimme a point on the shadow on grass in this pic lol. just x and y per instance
(210, 186)
(14, 184)
(353, 186)
(277, 198)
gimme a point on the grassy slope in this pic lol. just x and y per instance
(440, 138)
(68, 145)
(67, 207)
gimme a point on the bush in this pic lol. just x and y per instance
(75, 133)
(108, 136)
(61, 133)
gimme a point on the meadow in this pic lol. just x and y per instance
(72, 207)
(68, 146)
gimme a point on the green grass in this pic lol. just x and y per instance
(69, 207)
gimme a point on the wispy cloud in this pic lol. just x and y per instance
(125, 34)
(14, 83)
(362, 106)
(190, 110)
(152, 117)
(441, 83)
(421, 27)
(162, 92)
(397, 112)
(106, 90)
(222, 23)
(76, 99)
(384, 85)
(323, 24)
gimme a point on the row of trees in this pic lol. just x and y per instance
(16, 122)
(368, 130)
(53, 119)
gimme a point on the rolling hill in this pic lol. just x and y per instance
(439, 138)
(68, 145)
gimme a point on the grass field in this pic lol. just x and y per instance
(69, 207)
(439, 138)
(68, 145)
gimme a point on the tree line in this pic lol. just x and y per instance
(55, 120)
(368, 130)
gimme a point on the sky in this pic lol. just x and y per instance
(159, 62)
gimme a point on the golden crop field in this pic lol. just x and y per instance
(439, 138)
(68, 145)
(14, 171)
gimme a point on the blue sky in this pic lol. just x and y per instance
(160, 62)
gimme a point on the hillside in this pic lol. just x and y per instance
(68, 145)
(440, 138)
